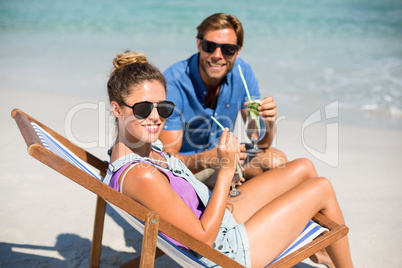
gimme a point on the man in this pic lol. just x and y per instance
(210, 83)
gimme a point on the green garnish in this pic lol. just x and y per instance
(252, 109)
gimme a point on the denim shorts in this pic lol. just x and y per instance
(232, 241)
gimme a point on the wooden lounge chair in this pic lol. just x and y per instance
(87, 170)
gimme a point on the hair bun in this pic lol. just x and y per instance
(127, 58)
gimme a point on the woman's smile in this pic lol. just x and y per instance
(152, 127)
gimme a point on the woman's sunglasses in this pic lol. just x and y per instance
(227, 49)
(142, 110)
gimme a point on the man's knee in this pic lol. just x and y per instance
(273, 158)
(279, 155)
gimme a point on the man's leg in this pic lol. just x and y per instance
(257, 164)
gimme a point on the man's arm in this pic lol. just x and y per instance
(172, 141)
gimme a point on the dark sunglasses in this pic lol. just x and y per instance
(227, 49)
(142, 110)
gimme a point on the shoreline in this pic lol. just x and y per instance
(48, 219)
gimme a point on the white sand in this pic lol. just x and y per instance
(46, 220)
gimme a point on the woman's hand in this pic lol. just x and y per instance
(228, 151)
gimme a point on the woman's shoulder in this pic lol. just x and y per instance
(144, 175)
(144, 170)
(144, 183)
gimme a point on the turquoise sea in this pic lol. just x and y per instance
(307, 54)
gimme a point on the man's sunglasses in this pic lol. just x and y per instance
(142, 110)
(227, 49)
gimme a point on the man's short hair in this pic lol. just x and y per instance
(220, 21)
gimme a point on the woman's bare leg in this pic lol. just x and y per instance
(276, 225)
(264, 188)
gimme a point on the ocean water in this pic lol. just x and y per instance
(306, 54)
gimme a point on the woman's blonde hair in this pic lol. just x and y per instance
(130, 70)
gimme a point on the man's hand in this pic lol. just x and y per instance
(267, 109)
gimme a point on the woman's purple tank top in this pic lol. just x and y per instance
(182, 187)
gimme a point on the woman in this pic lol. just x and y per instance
(253, 231)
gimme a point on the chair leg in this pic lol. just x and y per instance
(149, 240)
(98, 232)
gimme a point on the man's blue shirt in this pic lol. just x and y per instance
(186, 89)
